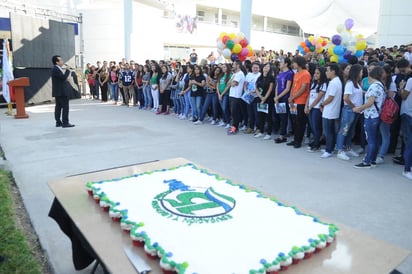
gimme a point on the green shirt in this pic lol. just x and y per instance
(153, 80)
(222, 83)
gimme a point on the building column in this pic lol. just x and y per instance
(128, 27)
(265, 23)
(246, 17)
(219, 16)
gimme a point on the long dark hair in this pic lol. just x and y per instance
(387, 82)
(317, 84)
(354, 74)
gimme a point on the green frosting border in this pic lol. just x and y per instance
(181, 267)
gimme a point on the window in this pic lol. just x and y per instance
(200, 15)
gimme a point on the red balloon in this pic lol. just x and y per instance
(244, 42)
(242, 58)
(225, 38)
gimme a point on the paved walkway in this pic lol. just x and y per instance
(376, 201)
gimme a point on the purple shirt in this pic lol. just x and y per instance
(282, 80)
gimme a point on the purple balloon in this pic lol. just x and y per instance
(347, 54)
(234, 57)
(349, 23)
(336, 39)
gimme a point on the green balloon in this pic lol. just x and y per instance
(230, 44)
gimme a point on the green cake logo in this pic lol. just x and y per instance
(193, 204)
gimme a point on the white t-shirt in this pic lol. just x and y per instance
(332, 110)
(250, 81)
(406, 106)
(236, 91)
(355, 94)
(313, 94)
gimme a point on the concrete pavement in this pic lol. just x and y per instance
(377, 201)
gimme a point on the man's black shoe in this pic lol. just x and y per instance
(67, 125)
(398, 160)
(59, 124)
(291, 143)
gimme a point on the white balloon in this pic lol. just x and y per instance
(226, 53)
(220, 45)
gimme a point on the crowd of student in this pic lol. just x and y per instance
(331, 104)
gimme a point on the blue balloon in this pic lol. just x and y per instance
(341, 59)
(359, 53)
(339, 50)
(308, 43)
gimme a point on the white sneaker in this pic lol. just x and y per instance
(352, 153)
(380, 160)
(198, 122)
(267, 137)
(183, 117)
(326, 155)
(342, 155)
(243, 128)
(191, 118)
(213, 122)
(258, 135)
(221, 124)
(407, 174)
(360, 150)
(227, 126)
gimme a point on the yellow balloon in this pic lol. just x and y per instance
(232, 35)
(319, 50)
(320, 40)
(310, 38)
(237, 48)
(330, 49)
(334, 58)
(222, 34)
(359, 36)
(360, 45)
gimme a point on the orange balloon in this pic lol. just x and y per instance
(306, 49)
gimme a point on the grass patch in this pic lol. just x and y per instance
(14, 247)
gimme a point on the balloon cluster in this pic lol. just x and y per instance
(312, 44)
(345, 44)
(234, 47)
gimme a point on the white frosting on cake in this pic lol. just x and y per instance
(249, 229)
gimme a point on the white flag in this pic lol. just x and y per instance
(7, 73)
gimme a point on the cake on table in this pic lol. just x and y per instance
(198, 222)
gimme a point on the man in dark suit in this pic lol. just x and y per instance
(61, 92)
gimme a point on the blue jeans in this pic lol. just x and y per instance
(211, 98)
(372, 136)
(114, 89)
(252, 114)
(347, 128)
(330, 134)
(385, 131)
(315, 122)
(196, 102)
(406, 125)
(147, 93)
(188, 103)
(96, 85)
(225, 109)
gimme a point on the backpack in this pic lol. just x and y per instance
(390, 111)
